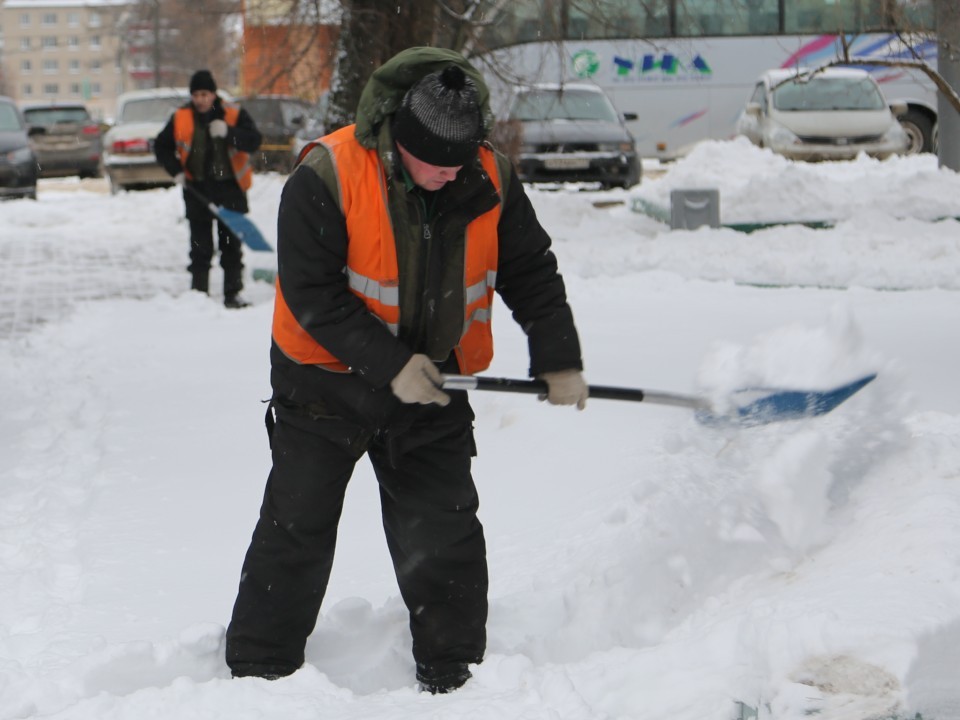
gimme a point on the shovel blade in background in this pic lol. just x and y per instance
(783, 405)
(237, 224)
(243, 228)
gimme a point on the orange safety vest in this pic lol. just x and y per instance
(372, 269)
(183, 135)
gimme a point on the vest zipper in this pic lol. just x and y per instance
(426, 252)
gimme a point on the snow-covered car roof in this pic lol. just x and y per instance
(781, 74)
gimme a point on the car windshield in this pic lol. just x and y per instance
(563, 105)
(9, 120)
(150, 109)
(264, 111)
(828, 93)
(274, 111)
(52, 116)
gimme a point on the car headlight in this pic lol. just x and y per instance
(20, 156)
(779, 136)
(617, 147)
(896, 134)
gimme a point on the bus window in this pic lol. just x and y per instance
(727, 17)
(821, 16)
(618, 18)
(915, 14)
(911, 15)
(526, 21)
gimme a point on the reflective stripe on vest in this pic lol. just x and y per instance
(183, 135)
(372, 269)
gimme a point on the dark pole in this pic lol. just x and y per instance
(156, 44)
(948, 65)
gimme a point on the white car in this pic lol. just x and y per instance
(128, 158)
(822, 114)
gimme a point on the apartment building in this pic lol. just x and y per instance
(64, 50)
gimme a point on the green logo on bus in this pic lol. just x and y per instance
(585, 63)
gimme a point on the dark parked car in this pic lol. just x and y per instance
(571, 133)
(281, 119)
(18, 164)
(66, 139)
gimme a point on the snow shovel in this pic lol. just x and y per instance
(237, 224)
(755, 407)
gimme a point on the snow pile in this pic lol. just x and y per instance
(643, 566)
(758, 186)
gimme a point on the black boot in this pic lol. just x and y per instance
(234, 301)
(440, 682)
(201, 282)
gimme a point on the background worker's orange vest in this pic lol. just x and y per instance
(183, 127)
(372, 268)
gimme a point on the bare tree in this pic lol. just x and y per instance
(372, 32)
(181, 36)
(946, 78)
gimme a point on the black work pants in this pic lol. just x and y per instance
(429, 507)
(201, 253)
(228, 195)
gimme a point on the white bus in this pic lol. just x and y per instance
(687, 67)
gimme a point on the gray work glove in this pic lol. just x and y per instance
(218, 128)
(419, 382)
(565, 387)
(179, 179)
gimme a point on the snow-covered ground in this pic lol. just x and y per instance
(643, 566)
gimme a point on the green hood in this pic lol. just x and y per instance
(388, 84)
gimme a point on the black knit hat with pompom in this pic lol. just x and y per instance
(202, 80)
(439, 120)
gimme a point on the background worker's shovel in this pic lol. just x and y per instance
(237, 224)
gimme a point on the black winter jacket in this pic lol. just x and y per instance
(312, 250)
(244, 136)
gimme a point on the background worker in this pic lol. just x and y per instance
(206, 146)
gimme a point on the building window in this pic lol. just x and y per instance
(25, 66)
(74, 66)
(94, 42)
(24, 43)
(74, 88)
(51, 88)
(24, 19)
(51, 67)
(49, 18)
(48, 42)
(95, 89)
(95, 66)
(94, 19)
(73, 42)
(27, 90)
(73, 19)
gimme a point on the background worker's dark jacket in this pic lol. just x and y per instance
(243, 136)
(312, 251)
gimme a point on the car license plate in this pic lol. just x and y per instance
(566, 163)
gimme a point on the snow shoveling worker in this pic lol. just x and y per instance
(393, 235)
(206, 146)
